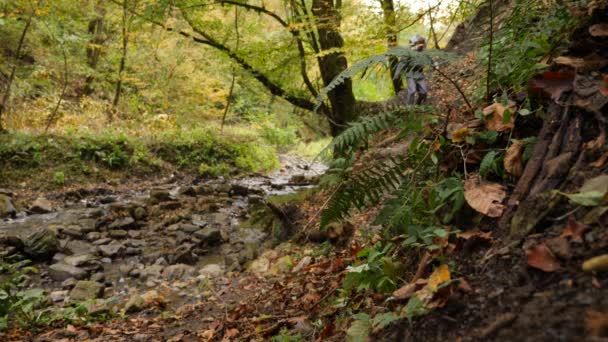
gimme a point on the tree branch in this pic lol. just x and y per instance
(208, 40)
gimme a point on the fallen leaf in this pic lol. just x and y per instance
(230, 334)
(464, 285)
(460, 134)
(601, 161)
(599, 30)
(604, 85)
(553, 84)
(405, 292)
(439, 276)
(485, 197)
(495, 113)
(541, 257)
(596, 324)
(596, 264)
(560, 247)
(574, 230)
(513, 161)
(572, 62)
(475, 235)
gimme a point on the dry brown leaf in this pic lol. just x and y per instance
(599, 30)
(406, 291)
(572, 62)
(487, 236)
(560, 247)
(495, 120)
(574, 230)
(596, 324)
(485, 197)
(553, 84)
(541, 257)
(600, 161)
(514, 158)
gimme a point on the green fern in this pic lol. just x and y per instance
(422, 58)
(363, 189)
(359, 132)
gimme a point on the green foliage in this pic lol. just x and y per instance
(82, 155)
(531, 30)
(491, 162)
(18, 304)
(59, 178)
(377, 271)
(363, 325)
(380, 62)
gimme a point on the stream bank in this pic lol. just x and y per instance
(125, 250)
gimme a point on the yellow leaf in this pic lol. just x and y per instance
(460, 134)
(440, 275)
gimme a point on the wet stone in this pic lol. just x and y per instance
(111, 250)
(58, 296)
(69, 283)
(160, 195)
(81, 260)
(118, 233)
(61, 271)
(85, 290)
(139, 213)
(41, 206)
(209, 235)
(178, 271)
(170, 205)
(135, 234)
(7, 209)
(92, 236)
(41, 243)
(124, 223)
(189, 228)
(102, 241)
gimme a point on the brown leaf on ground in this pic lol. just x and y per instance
(514, 158)
(485, 197)
(495, 114)
(230, 334)
(596, 324)
(553, 84)
(574, 230)
(487, 236)
(599, 30)
(560, 247)
(406, 291)
(604, 85)
(600, 161)
(541, 257)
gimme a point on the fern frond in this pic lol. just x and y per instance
(365, 188)
(421, 58)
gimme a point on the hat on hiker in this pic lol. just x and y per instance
(418, 42)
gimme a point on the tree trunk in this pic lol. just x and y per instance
(390, 21)
(11, 78)
(94, 47)
(341, 98)
(123, 58)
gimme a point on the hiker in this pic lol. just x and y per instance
(414, 73)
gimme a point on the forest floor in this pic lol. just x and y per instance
(184, 259)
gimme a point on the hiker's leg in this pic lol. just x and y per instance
(422, 89)
(411, 91)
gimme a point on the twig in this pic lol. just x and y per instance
(231, 91)
(490, 49)
(464, 97)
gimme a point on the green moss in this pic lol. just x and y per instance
(88, 157)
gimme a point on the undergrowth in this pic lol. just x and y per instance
(59, 159)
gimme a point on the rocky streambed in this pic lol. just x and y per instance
(121, 250)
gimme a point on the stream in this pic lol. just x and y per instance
(168, 238)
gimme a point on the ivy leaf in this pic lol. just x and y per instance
(358, 331)
(487, 163)
(524, 112)
(382, 320)
(587, 199)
